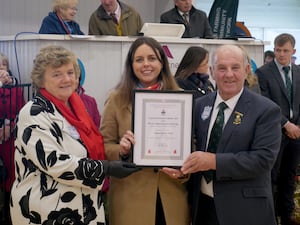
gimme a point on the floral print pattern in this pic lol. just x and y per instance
(55, 181)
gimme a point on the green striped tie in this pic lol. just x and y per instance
(215, 136)
(288, 83)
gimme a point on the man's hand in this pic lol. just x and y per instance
(199, 161)
(292, 130)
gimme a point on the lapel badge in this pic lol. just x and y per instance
(237, 118)
(206, 112)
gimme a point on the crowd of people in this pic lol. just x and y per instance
(114, 17)
(61, 156)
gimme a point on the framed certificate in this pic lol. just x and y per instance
(162, 126)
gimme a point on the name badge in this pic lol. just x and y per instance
(206, 112)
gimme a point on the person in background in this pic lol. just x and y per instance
(251, 81)
(237, 136)
(89, 101)
(192, 72)
(11, 101)
(268, 56)
(59, 152)
(279, 81)
(150, 196)
(61, 19)
(293, 59)
(195, 21)
(115, 18)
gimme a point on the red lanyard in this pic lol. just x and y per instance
(63, 24)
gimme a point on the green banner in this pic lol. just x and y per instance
(222, 18)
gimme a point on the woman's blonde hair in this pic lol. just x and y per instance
(4, 58)
(251, 79)
(53, 56)
(62, 4)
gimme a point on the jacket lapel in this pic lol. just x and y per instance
(276, 73)
(240, 110)
(295, 81)
(206, 113)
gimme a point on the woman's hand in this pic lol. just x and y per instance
(125, 143)
(5, 79)
(174, 173)
(5, 133)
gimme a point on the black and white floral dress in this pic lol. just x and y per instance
(55, 181)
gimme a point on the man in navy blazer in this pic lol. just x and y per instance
(196, 24)
(272, 82)
(240, 192)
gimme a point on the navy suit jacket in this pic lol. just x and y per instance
(245, 156)
(272, 86)
(198, 27)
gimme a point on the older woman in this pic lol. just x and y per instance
(61, 20)
(150, 196)
(59, 154)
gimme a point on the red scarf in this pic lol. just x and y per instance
(156, 86)
(82, 121)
